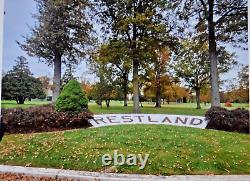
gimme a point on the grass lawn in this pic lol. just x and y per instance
(117, 107)
(13, 104)
(173, 150)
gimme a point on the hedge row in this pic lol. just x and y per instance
(228, 120)
(42, 119)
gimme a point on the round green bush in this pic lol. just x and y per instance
(72, 98)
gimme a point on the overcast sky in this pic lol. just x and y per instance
(17, 20)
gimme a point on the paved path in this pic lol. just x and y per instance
(31, 173)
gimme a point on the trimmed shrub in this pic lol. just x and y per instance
(228, 120)
(72, 98)
(42, 119)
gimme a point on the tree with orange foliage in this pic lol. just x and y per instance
(87, 88)
(205, 93)
(156, 72)
(175, 92)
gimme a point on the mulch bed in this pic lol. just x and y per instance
(20, 177)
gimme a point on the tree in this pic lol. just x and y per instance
(192, 65)
(243, 77)
(238, 88)
(138, 23)
(61, 36)
(68, 74)
(45, 82)
(219, 21)
(160, 69)
(19, 84)
(103, 91)
(88, 89)
(72, 99)
(116, 56)
(205, 93)
(175, 92)
(105, 88)
(156, 86)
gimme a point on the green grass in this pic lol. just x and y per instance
(173, 108)
(173, 150)
(13, 104)
(117, 107)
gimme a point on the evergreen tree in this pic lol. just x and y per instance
(72, 99)
(19, 84)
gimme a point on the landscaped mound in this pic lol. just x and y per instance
(41, 119)
(228, 120)
(172, 149)
(72, 98)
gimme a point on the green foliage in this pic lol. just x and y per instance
(229, 18)
(243, 77)
(19, 84)
(218, 21)
(72, 98)
(112, 65)
(140, 25)
(61, 35)
(192, 62)
(105, 89)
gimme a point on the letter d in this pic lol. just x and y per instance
(196, 123)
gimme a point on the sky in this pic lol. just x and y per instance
(17, 20)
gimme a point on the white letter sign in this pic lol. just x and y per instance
(163, 119)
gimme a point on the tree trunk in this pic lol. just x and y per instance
(158, 96)
(107, 103)
(136, 94)
(141, 105)
(214, 76)
(100, 103)
(198, 102)
(125, 104)
(57, 77)
(136, 103)
(20, 100)
(125, 89)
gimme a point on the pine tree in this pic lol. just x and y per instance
(19, 84)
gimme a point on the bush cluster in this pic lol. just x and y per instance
(42, 118)
(228, 120)
(72, 98)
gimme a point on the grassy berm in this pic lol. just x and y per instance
(173, 150)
